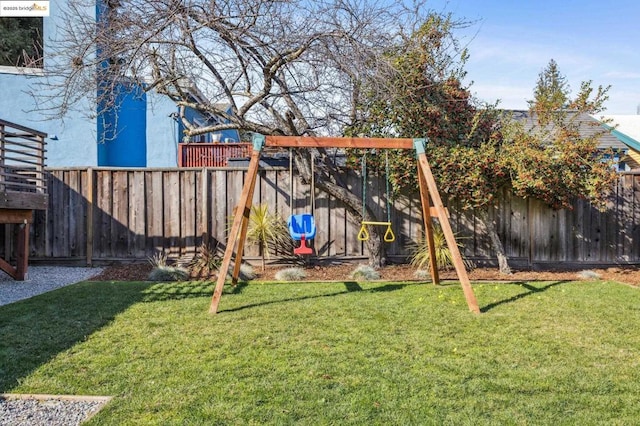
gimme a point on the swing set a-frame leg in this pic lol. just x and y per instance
(458, 263)
(428, 226)
(238, 233)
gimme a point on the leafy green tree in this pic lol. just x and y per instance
(553, 155)
(475, 150)
(551, 93)
(426, 98)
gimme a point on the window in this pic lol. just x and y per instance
(21, 42)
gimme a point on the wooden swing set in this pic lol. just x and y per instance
(432, 206)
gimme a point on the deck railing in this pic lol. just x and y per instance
(211, 154)
(22, 160)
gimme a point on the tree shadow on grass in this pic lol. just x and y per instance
(350, 287)
(530, 291)
(164, 291)
(36, 330)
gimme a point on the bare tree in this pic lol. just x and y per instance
(291, 67)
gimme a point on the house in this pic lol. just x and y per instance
(590, 126)
(626, 128)
(141, 131)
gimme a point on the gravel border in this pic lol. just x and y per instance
(41, 279)
(48, 410)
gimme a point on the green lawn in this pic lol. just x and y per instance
(338, 353)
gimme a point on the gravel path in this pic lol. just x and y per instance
(49, 411)
(41, 279)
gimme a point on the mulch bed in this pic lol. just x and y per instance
(338, 272)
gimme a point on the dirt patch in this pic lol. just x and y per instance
(124, 272)
(339, 272)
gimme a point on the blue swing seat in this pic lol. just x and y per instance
(302, 226)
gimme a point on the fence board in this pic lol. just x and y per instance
(154, 223)
(202, 208)
(219, 206)
(626, 217)
(171, 208)
(188, 207)
(137, 215)
(102, 247)
(80, 205)
(120, 227)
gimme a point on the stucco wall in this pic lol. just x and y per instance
(161, 132)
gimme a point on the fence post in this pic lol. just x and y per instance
(530, 233)
(90, 203)
(204, 211)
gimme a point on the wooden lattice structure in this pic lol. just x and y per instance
(23, 188)
(211, 154)
(432, 205)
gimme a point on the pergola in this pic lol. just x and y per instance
(432, 206)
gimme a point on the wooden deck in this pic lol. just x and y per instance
(22, 188)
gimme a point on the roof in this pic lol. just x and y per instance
(588, 126)
(625, 127)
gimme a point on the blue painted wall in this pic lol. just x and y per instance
(122, 129)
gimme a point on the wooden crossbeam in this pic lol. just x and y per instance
(328, 142)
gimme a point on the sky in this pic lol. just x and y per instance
(511, 42)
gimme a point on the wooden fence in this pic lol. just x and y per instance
(102, 215)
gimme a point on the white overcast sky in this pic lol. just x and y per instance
(512, 41)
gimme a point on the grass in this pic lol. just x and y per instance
(337, 353)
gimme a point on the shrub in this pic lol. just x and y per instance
(206, 262)
(589, 275)
(168, 273)
(420, 253)
(159, 259)
(291, 274)
(163, 272)
(269, 231)
(364, 273)
(422, 275)
(246, 272)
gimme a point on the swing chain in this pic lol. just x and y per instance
(363, 234)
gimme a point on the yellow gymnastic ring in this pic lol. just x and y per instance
(363, 235)
(389, 237)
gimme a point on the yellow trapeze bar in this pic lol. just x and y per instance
(363, 235)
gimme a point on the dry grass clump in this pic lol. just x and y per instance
(291, 274)
(364, 273)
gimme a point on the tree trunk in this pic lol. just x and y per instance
(487, 216)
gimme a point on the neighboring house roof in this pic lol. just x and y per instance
(588, 126)
(625, 127)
